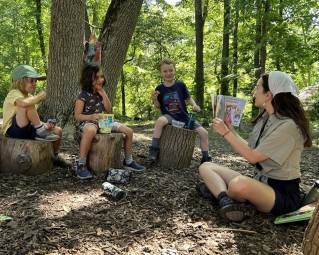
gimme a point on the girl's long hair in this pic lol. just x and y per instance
(287, 105)
(88, 76)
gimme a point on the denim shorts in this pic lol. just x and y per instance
(27, 132)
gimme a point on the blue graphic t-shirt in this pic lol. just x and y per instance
(172, 100)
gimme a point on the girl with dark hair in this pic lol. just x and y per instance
(92, 101)
(280, 133)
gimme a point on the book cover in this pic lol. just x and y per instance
(303, 213)
(105, 123)
(228, 108)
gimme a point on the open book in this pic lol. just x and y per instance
(105, 123)
(228, 108)
(303, 213)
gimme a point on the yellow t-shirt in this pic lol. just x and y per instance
(9, 108)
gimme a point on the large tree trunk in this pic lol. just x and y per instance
(257, 68)
(65, 59)
(225, 52)
(200, 16)
(264, 28)
(310, 244)
(40, 32)
(117, 31)
(123, 82)
(235, 48)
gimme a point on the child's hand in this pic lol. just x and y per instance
(196, 108)
(101, 91)
(94, 117)
(155, 94)
(42, 95)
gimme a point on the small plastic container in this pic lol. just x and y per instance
(113, 191)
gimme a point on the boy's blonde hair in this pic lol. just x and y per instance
(165, 61)
(19, 84)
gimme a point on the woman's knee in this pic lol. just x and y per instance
(205, 168)
(238, 186)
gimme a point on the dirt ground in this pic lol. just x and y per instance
(162, 214)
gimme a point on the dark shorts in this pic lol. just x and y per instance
(288, 197)
(170, 119)
(27, 132)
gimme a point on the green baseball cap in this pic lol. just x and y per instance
(22, 71)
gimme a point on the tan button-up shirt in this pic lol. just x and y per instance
(282, 142)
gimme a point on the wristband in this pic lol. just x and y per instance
(226, 133)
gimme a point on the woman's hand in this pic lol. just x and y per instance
(220, 127)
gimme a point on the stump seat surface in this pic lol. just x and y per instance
(105, 152)
(22, 156)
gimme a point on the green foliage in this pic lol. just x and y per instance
(164, 30)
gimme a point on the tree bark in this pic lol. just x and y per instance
(200, 16)
(105, 152)
(235, 48)
(40, 32)
(87, 28)
(123, 82)
(65, 59)
(225, 52)
(28, 157)
(264, 36)
(310, 244)
(117, 31)
(257, 67)
(176, 147)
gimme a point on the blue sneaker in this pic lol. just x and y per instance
(82, 172)
(133, 166)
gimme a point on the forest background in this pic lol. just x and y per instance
(219, 46)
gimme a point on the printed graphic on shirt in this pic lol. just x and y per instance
(172, 103)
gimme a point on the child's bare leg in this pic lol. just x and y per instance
(159, 124)
(56, 145)
(128, 140)
(203, 136)
(154, 149)
(25, 115)
(89, 131)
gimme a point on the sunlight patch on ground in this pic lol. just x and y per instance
(141, 138)
(61, 203)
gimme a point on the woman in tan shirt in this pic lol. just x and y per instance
(281, 131)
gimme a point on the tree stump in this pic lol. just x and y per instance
(310, 244)
(29, 157)
(176, 147)
(105, 152)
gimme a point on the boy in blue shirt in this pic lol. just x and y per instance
(171, 97)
